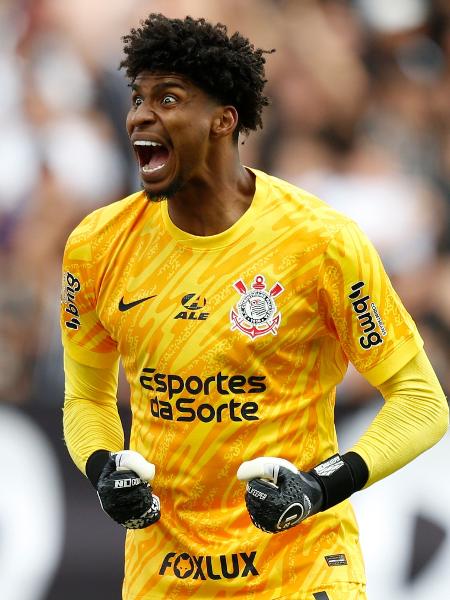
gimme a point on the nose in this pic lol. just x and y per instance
(141, 116)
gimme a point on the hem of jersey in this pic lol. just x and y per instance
(361, 585)
(388, 367)
(89, 358)
(356, 585)
(211, 243)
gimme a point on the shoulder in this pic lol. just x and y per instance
(109, 217)
(100, 229)
(302, 209)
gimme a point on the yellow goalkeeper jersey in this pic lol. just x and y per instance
(232, 345)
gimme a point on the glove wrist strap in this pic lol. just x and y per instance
(95, 464)
(339, 477)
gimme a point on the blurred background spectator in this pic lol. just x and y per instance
(360, 116)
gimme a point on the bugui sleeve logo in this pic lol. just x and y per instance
(370, 322)
(70, 289)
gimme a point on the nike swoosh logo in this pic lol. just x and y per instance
(123, 306)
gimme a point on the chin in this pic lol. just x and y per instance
(164, 194)
(154, 197)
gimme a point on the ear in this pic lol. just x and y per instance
(224, 121)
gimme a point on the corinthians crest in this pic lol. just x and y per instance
(256, 313)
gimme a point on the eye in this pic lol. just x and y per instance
(168, 99)
(137, 100)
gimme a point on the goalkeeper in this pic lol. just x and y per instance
(234, 301)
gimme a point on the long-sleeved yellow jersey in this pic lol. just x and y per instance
(233, 345)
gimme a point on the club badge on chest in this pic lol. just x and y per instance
(256, 313)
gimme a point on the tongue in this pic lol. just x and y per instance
(158, 158)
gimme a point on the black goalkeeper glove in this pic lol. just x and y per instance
(124, 490)
(279, 496)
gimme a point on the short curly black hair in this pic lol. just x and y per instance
(228, 68)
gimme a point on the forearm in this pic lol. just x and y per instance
(91, 420)
(413, 418)
(89, 427)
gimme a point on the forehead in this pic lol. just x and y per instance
(150, 80)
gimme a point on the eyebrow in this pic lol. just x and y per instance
(159, 86)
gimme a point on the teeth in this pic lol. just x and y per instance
(147, 169)
(146, 143)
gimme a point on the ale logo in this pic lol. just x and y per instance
(193, 308)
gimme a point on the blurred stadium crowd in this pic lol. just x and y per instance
(360, 116)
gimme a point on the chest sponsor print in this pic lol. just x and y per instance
(256, 313)
(193, 308)
(185, 566)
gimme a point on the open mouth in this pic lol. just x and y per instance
(152, 156)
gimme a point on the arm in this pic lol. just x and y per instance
(92, 427)
(90, 417)
(413, 418)
(94, 437)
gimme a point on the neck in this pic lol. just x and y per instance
(215, 200)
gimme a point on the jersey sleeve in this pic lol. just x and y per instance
(83, 336)
(413, 418)
(361, 308)
(91, 419)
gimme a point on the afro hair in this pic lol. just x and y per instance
(228, 68)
